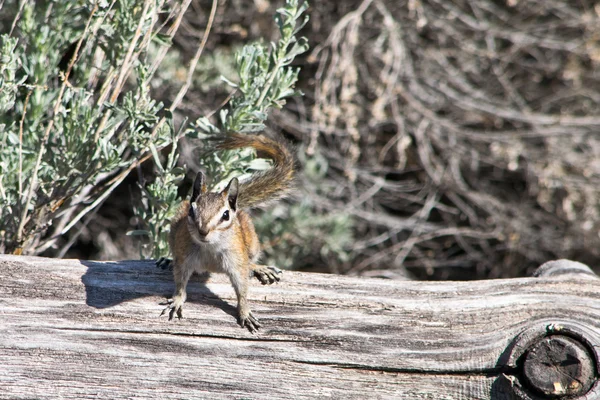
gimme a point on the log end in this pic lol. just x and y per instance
(555, 360)
(559, 366)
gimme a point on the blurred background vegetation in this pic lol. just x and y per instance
(440, 140)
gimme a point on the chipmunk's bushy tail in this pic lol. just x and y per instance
(269, 185)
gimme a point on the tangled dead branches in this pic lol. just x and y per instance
(460, 134)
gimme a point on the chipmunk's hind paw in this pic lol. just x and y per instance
(267, 274)
(173, 306)
(164, 263)
(250, 322)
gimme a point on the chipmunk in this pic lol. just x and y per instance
(213, 233)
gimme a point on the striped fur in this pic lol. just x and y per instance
(202, 238)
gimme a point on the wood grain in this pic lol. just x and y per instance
(82, 329)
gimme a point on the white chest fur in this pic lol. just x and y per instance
(212, 257)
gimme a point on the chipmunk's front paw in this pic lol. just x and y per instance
(174, 306)
(267, 274)
(164, 263)
(250, 322)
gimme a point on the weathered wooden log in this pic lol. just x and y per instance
(81, 329)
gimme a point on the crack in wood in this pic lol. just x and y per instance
(185, 334)
(484, 372)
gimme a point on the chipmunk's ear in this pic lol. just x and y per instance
(231, 191)
(199, 186)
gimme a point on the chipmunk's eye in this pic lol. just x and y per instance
(225, 216)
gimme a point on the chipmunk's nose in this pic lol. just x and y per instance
(202, 232)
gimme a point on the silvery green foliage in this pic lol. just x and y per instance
(106, 121)
(266, 78)
(9, 63)
(99, 128)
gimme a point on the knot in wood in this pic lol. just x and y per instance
(559, 367)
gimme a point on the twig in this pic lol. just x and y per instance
(21, 143)
(171, 33)
(190, 74)
(123, 72)
(112, 185)
(223, 103)
(61, 253)
(14, 23)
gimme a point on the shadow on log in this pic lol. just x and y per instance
(76, 329)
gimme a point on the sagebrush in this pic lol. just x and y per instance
(79, 114)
